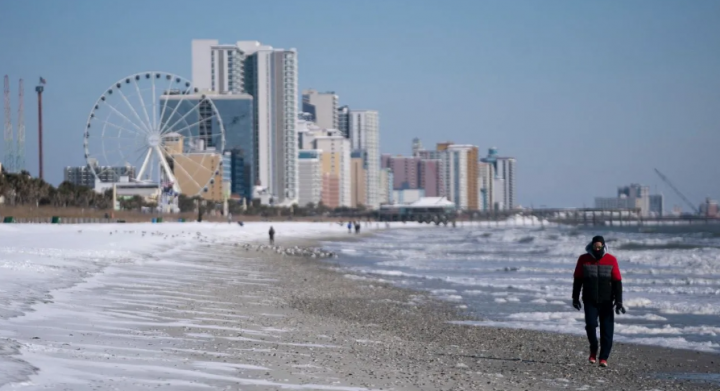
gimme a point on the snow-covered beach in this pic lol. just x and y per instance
(187, 306)
(127, 304)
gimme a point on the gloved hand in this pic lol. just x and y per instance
(619, 308)
(576, 304)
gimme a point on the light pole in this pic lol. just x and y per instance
(39, 89)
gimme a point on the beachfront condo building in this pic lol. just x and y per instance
(406, 171)
(430, 179)
(335, 162)
(415, 173)
(385, 190)
(358, 175)
(486, 181)
(365, 136)
(310, 176)
(504, 192)
(460, 165)
(322, 108)
(344, 121)
(336, 172)
(269, 76)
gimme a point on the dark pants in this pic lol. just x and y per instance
(604, 311)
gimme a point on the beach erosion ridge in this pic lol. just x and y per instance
(187, 306)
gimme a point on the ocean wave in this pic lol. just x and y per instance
(496, 271)
(634, 246)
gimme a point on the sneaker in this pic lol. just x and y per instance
(593, 357)
(603, 363)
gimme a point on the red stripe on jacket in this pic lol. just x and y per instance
(606, 260)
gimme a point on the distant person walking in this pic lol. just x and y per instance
(350, 227)
(357, 227)
(597, 275)
(272, 235)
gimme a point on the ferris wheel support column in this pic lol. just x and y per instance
(167, 169)
(144, 165)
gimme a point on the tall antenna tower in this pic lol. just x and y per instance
(9, 159)
(20, 151)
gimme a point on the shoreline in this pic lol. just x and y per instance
(221, 315)
(480, 352)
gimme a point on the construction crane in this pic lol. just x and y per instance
(675, 189)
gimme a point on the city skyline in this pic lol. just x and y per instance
(549, 92)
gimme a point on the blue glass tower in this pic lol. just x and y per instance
(236, 112)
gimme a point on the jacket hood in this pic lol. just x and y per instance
(589, 250)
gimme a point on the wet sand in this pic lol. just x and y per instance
(414, 344)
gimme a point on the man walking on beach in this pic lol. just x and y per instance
(598, 276)
(272, 235)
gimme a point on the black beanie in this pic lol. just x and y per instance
(598, 239)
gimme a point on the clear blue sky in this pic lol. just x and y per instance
(587, 95)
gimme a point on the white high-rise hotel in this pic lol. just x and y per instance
(365, 135)
(270, 76)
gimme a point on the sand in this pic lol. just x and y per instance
(241, 319)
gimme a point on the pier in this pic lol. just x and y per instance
(566, 216)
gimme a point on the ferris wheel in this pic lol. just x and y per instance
(162, 124)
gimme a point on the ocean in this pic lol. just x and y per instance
(520, 276)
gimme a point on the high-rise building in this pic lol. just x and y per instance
(217, 68)
(504, 186)
(415, 173)
(463, 165)
(633, 196)
(236, 113)
(430, 178)
(269, 75)
(335, 166)
(358, 176)
(486, 180)
(335, 161)
(442, 159)
(344, 121)
(406, 171)
(241, 174)
(460, 165)
(226, 175)
(323, 107)
(640, 193)
(385, 190)
(310, 176)
(365, 136)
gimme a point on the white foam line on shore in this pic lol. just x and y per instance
(199, 352)
(154, 370)
(214, 313)
(223, 366)
(114, 295)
